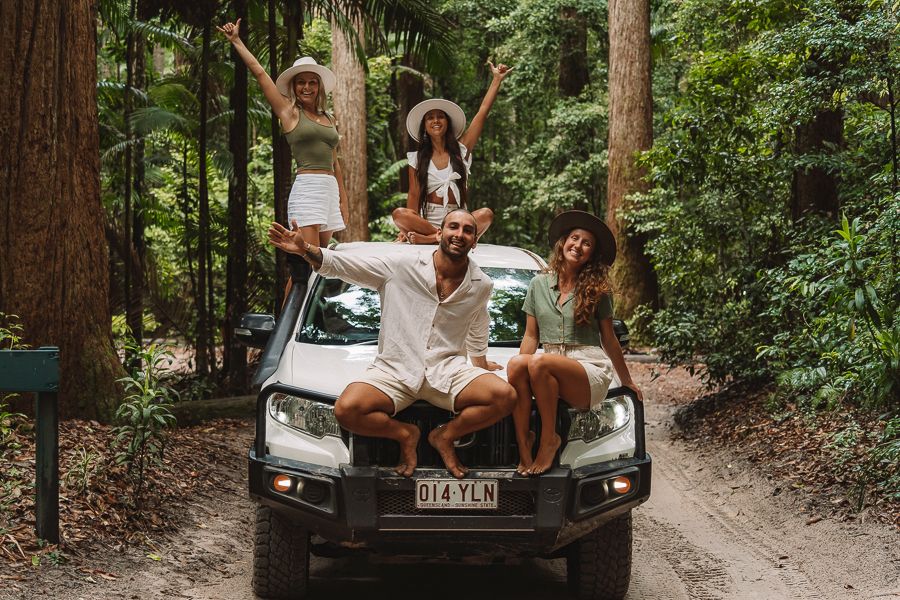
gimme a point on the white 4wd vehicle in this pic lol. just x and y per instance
(324, 490)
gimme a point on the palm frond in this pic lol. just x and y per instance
(164, 37)
(154, 118)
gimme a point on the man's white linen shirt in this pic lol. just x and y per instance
(421, 337)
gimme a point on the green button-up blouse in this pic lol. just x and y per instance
(557, 323)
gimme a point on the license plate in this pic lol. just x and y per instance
(456, 493)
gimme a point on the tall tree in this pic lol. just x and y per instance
(630, 132)
(281, 152)
(53, 257)
(409, 89)
(206, 357)
(235, 359)
(573, 66)
(349, 97)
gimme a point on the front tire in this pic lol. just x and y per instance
(599, 564)
(280, 557)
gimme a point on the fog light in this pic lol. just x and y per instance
(621, 485)
(282, 483)
(301, 484)
(593, 494)
(314, 492)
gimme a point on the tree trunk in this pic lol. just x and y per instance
(135, 317)
(814, 189)
(630, 132)
(204, 326)
(282, 170)
(350, 108)
(409, 90)
(128, 109)
(573, 67)
(235, 359)
(53, 254)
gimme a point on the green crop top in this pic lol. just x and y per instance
(312, 144)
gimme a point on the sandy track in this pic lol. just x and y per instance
(713, 529)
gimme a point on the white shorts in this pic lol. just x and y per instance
(596, 364)
(403, 396)
(434, 213)
(315, 200)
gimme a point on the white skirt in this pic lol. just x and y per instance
(315, 200)
(596, 364)
(435, 213)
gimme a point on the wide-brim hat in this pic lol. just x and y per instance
(578, 219)
(451, 109)
(307, 63)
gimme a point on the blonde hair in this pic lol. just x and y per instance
(321, 102)
(591, 283)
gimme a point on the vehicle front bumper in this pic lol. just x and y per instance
(346, 507)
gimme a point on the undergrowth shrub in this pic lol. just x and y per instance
(145, 415)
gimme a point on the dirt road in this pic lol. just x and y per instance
(713, 528)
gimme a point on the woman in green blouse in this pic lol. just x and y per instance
(570, 312)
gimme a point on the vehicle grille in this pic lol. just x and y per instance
(509, 504)
(490, 448)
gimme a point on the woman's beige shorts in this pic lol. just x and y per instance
(596, 364)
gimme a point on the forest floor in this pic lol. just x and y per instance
(744, 505)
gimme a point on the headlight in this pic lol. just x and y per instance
(610, 416)
(315, 418)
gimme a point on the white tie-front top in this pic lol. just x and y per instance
(443, 181)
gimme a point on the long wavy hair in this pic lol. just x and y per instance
(423, 157)
(321, 101)
(591, 283)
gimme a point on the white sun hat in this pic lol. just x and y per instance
(307, 63)
(451, 109)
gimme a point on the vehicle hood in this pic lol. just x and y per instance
(329, 369)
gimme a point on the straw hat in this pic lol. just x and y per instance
(451, 109)
(578, 219)
(307, 63)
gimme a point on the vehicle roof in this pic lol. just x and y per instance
(484, 255)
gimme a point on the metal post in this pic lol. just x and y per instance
(46, 465)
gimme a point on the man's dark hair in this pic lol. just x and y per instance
(456, 210)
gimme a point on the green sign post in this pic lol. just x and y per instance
(38, 371)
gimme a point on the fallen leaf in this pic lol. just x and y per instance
(154, 556)
(812, 520)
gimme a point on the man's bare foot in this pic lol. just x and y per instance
(408, 454)
(546, 453)
(525, 459)
(439, 441)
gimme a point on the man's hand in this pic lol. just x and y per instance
(287, 240)
(483, 363)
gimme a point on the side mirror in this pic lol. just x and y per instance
(255, 329)
(621, 331)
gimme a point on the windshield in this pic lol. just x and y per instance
(341, 313)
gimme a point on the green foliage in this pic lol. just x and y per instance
(85, 467)
(145, 415)
(748, 290)
(838, 332)
(10, 339)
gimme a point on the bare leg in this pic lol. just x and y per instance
(553, 376)
(409, 221)
(366, 410)
(483, 219)
(519, 379)
(483, 402)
